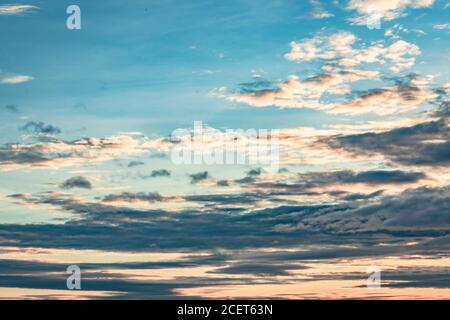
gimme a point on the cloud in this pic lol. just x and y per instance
(15, 9)
(369, 11)
(254, 172)
(59, 153)
(12, 108)
(339, 48)
(77, 182)
(197, 177)
(337, 185)
(330, 92)
(413, 214)
(160, 173)
(317, 11)
(297, 93)
(390, 99)
(135, 164)
(369, 177)
(343, 65)
(415, 209)
(132, 197)
(40, 128)
(444, 26)
(423, 144)
(14, 78)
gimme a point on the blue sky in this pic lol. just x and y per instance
(85, 162)
(154, 74)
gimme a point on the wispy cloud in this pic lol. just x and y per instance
(318, 12)
(14, 78)
(443, 26)
(14, 9)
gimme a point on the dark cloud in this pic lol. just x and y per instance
(259, 84)
(260, 269)
(30, 155)
(368, 177)
(306, 182)
(130, 197)
(413, 214)
(135, 164)
(197, 177)
(414, 210)
(40, 128)
(77, 182)
(423, 144)
(362, 196)
(12, 108)
(160, 173)
(254, 172)
(223, 183)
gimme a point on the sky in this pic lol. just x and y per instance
(108, 130)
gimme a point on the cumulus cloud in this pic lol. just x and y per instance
(331, 92)
(339, 48)
(308, 93)
(391, 99)
(370, 11)
(77, 182)
(344, 64)
(14, 9)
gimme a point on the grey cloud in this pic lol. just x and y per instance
(12, 108)
(40, 128)
(77, 182)
(415, 210)
(254, 172)
(160, 173)
(135, 164)
(307, 181)
(197, 177)
(423, 144)
(128, 196)
(259, 268)
(362, 196)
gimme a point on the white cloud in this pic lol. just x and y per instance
(383, 10)
(318, 12)
(14, 78)
(297, 93)
(387, 101)
(339, 48)
(16, 9)
(328, 92)
(444, 26)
